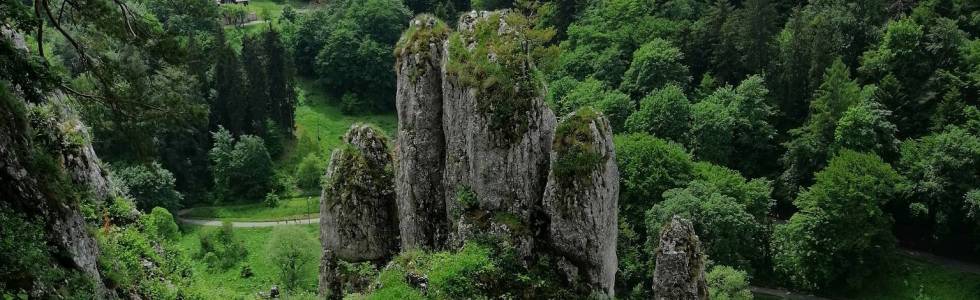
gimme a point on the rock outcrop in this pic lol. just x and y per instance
(498, 132)
(679, 274)
(33, 191)
(476, 144)
(581, 199)
(421, 141)
(358, 215)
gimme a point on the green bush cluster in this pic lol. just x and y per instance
(220, 249)
(467, 198)
(242, 168)
(150, 185)
(473, 271)
(727, 283)
(309, 172)
(291, 250)
(125, 252)
(271, 200)
(159, 223)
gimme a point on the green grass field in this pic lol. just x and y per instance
(288, 209)
(229, 284)
(320, 126)
(912, 278)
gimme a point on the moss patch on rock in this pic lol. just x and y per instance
(424, 30)
(574, 144)
(495, 60)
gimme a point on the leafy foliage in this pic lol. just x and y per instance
(242, 169)
(288, 250)
(220, 248)
(943, 168)
(841, 234)
(655, 65)
(665, 113)
(729, 212)
(309, 172)
(150, 186)
(727, 283)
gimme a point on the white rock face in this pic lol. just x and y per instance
(583, 205)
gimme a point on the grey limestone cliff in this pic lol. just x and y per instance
(581, 200)
(421, 142)
(498, 138)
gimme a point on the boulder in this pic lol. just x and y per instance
(358, 215)
(421, 142)
(679, 274)
(581, 200)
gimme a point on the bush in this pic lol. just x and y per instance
(242, 169)
(665, 113)
(727, 283)
(309, 172)
(160, 224)
(841, 235)
(291, 250)
(648, 167)
(350, 103)
(655, 65)
(150, 186)
(22, 246)
(271, 200)
(220, 249)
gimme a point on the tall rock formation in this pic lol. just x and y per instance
(421, 141)
(475, 150)
(358, 217)
(679, 274)
(498, 131)
(581, 199)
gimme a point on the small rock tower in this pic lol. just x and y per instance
(358, 218)
(680, 264)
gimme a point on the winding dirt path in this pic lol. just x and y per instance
(243, 224)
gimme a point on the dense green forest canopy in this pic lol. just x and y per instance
(807, 141)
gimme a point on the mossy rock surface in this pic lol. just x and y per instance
(493, 56)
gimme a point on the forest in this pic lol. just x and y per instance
(194, 149)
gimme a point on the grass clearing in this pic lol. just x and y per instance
(302, 207)
(320, 126)
(911, 278)
(229, 284)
